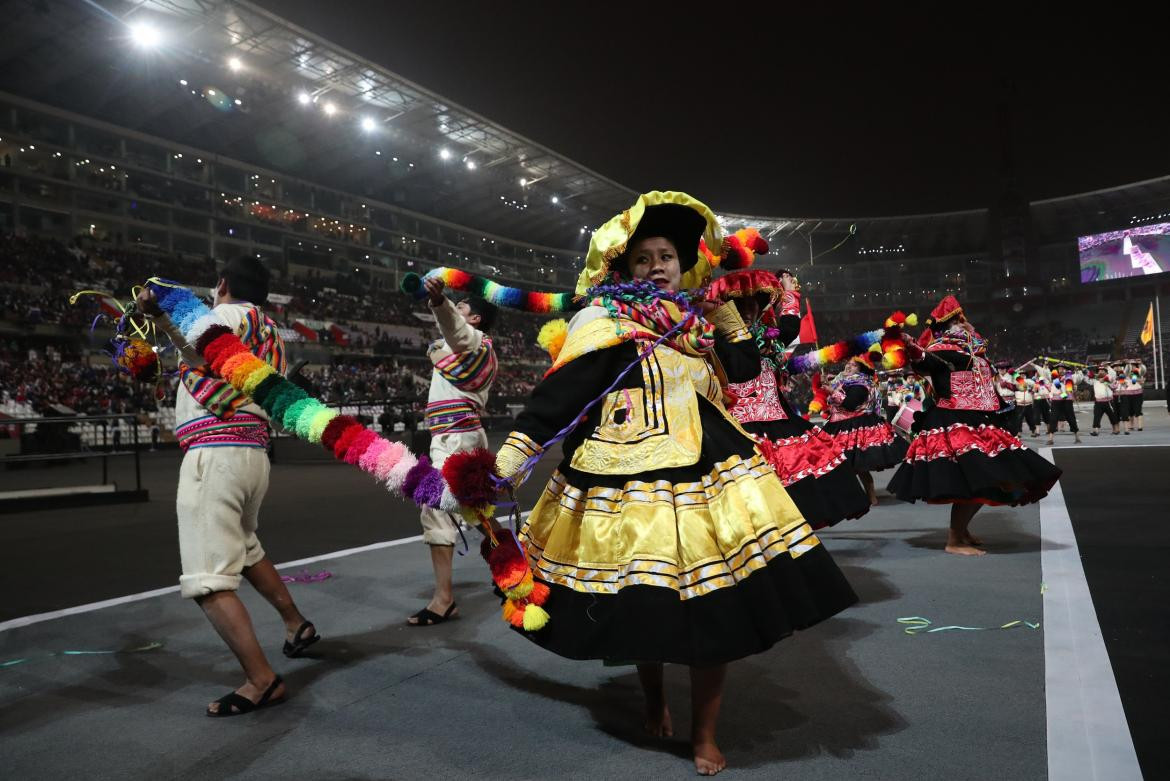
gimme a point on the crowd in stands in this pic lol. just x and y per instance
(51, 383)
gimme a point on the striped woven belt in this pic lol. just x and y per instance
(452, 417)
(240, 430)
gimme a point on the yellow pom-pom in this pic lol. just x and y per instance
(552, 337)
(535, 617)
(256, 377)
(912, 319)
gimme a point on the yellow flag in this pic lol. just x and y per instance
(1148, 328)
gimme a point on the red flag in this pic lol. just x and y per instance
(808, 329)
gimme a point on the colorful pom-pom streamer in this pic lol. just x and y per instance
(492, 292)
(834, 353)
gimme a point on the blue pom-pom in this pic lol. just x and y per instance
(511, 297)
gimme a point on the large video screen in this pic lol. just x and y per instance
(1132, 252)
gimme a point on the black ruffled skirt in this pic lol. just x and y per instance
(962, 456)
(870, 443)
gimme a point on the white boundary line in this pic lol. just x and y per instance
(1088, 734)
(1099, 447)
(37, 618)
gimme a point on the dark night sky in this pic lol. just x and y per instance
(782, 114)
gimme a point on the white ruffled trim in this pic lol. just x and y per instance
(200, 326)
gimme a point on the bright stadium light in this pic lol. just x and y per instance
(329, 108)
(445, 153)
(235, 64)
(303, 98)
(145, 35)
(556, 199)
(368, 124)
(470, 165)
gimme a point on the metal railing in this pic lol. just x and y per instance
(97, 436)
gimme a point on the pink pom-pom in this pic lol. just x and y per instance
(389, 459)
(369, 460)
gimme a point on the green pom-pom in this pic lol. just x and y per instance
(295, 412)
(305, 420)
(319, 422)
(411, 283)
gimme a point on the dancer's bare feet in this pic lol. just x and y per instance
(709, 760)
(963, 549)
(971, 539)
(658, 722)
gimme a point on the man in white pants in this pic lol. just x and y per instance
(222, 481)
(464, 370)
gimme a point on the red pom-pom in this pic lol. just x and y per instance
(214, 350)
(540, 592)
(506, 562)
(360, 445)
(334, 429)
(469, 475)
(209, 336)
(457, 279)
(347, 438)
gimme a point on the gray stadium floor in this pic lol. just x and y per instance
(853, 697)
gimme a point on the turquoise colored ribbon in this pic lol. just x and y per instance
(917, 625)
(139, 649)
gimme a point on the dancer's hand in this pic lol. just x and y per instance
(147, 303)
(434, 287)
(706, 307)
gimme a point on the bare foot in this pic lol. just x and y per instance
(971, 539)
(964, 550)
(252, 692)
(658, 721)
(709, 760)
(873, 500)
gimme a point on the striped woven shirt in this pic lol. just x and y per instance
(471, 370)
(261, 336)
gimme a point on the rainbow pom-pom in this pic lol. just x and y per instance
(492, 292)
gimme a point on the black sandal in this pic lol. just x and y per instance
(426, 617)
(300, 643)
(233, 704)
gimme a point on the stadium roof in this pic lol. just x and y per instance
(237, 80)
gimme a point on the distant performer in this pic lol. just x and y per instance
(1103, 379)
(963, 456)
(464, 370)
(809, 462)
(870, 443)
(1130, 378)
(1062, 394)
